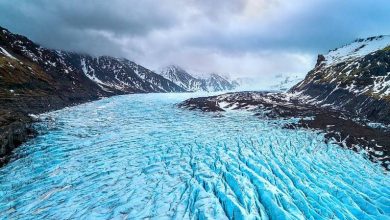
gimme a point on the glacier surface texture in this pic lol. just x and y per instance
(141, 157)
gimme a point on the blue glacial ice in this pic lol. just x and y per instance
(139, 156)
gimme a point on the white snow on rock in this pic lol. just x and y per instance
(92, 76)
(5, 52)
(358, 48)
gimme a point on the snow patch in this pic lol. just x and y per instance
(358, 48)
(5, 52)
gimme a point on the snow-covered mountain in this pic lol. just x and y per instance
(210, 83)
(355, 78)
(110, 74)
(121, 74)
(356, 49)
(182, 78)
(216, 82)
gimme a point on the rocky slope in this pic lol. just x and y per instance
(355, 78)
(346, 93)
(211, 83)
(34, 79)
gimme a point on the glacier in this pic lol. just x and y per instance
(141, 157)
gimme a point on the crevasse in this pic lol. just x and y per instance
(139, 156)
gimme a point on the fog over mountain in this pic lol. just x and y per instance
(243, 38)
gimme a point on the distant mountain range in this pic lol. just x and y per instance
(102, 75)
(81, 76)
(74, 73)
(212, 83)
(34, 79)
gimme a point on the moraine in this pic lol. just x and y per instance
(139, 156)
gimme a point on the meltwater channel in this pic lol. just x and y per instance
(141, 157)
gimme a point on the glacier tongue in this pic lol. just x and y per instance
(140, 157)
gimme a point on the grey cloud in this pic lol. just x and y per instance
(313, 27)
(77, 25)
(242, 37)
(119, 16)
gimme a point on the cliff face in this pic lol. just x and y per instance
(352, 80)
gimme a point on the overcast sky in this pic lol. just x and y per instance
(243, 38)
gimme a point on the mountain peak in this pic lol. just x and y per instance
(213, 82)
(172, 69)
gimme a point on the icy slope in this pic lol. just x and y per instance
(358, 48)
(140, 157)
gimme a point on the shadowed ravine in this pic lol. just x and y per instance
(139, 156)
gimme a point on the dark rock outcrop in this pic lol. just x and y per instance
(320, 59)
(15, 128)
